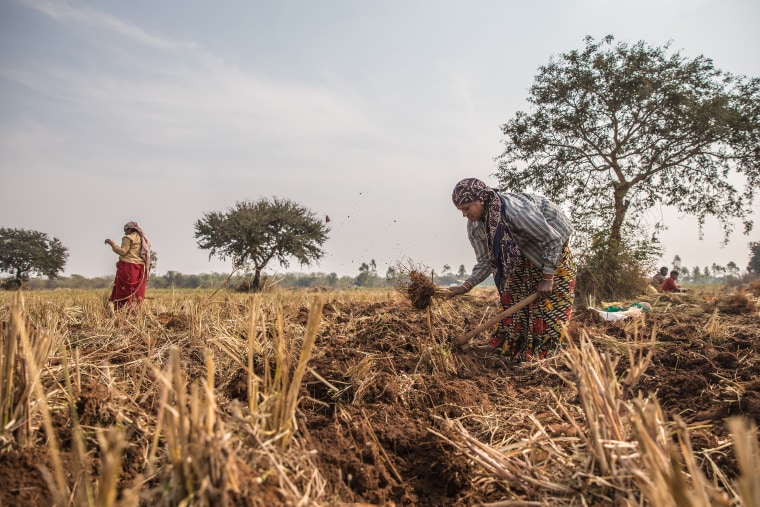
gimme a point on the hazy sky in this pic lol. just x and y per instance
(366, 111)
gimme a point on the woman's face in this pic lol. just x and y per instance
(472, 211)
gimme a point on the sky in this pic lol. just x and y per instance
(366, 111)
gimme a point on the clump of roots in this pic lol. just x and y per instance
(421, 290)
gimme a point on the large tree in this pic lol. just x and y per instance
(254, 233)
(26, 252)
(618, 129)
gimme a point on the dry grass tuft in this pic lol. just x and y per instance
(25, 350)
(737, 303)
(716, 328)
(200, 465)
(754, 288)
(748, 455)
(668, 473)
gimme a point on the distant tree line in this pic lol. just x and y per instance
(367, 278)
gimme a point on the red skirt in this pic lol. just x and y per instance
(129, 285)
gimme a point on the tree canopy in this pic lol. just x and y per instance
(26, 252)
(254, 233)
(618, 129)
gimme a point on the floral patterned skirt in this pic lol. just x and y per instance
(537, 329)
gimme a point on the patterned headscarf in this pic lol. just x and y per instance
(503, 253)
(471, 189)
(144, 244)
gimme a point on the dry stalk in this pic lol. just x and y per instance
(288, 487)
(509, 463)
(14, 397)
(143, 371)
(360, 376)
(254, 348)
(380, 447)
(276, 384)
(32, 359)
(24, 351)
(197, 317)
(111, 443)
(601, 398)
(714, 328)
(669, 475)
(284, 409)
(748, 456)
(640, 355)
(435, 355)
(82, 481)
(201, 466)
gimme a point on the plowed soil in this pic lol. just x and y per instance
(386, 378)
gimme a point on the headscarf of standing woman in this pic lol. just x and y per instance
(144, 244)
(503, 252)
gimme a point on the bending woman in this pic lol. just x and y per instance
(521, 239)
(133, 266)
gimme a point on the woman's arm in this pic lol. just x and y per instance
(482, 268)
(126, 243)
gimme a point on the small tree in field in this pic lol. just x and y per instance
(620, 129)
(367, 274)
(26, 252)
(254, 233)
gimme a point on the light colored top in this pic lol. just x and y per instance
(129, 251)
(539, 226)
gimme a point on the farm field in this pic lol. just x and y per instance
(357, 398)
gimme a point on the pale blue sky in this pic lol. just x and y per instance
(366, 111)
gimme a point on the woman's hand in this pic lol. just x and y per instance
(458, 290)
(544, 287)
(109, 242)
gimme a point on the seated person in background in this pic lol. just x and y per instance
(660, 277)
(669, 285)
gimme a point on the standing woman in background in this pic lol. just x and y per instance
(133, 267)
(522, 239)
